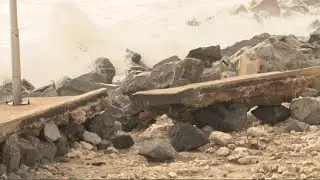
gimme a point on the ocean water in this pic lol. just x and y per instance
(54, 33)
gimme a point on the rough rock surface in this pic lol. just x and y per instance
(158, 150)
(306, 110)
(102, 124)
(11, 153)
(73, 131)
(91, 137)
(206, 54)
(62, 145)
(186, 137)
(29, 154)
(168, 60)
(122, 140)
(223, 117)
(221, 138)
(271, 114)
(51, 132)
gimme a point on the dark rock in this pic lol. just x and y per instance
(5, 96)
(73, 131)
(91, 137)
(104, 144)
(223, 117)
(228, 74)
(102, 124)
(295, 125)
(315, 37)
(135, 83)
(206, 54)
(271, 114)
(22, 173)
(168, 60)
(133, 56)
(11, 153)
(306, 109)
(47, 150)
(62, 145)
(209, 74)
(190, 69)
(29, 154)
(158, 150)
(3, 169)
(231, 50)
(127, 123)
(73, 87)
(186, 137)
(122, 140)
(13, 176)
(51, 132)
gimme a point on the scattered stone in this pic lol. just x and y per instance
(221, 138)
(271, 114)
(172, 174)
(158, 150)
(295, 125)
(256, 131)
(91, 138)
(258, 176)
(227, 117)
(206, 54)
(11, 153)
(122, 140)
(306, 109)
(104, 144)
(223, 151)
(186, 137)
(28, 153)
(102, 124)
(86, 145)
(51, 131)
(111, 150)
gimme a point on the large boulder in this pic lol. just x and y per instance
(105, 68)
(274, 54)
(29, 154)
(168, 60)
(102, 124)
(206, 54)
(91, 138)
(306, 109)
(271, 114)
(73, 131)
(122, 140)
(158, 150)
(11, 153)
(231, 50)
(271, 7)
(62, 145)
(47, 150)
(26, 86)
(186, 137)
(223, 117)
(51, 132)
(135, 82)
(134, 61)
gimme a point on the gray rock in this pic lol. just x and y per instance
(11, 153)
(26, 86)
(122, 140)
(271, 114)
(135, 83)
(51, 132)
(102, 124)
(221, 138)
(133, 56)
(168, 60)
(190, 69)
(91, 137)
(5, 96)
(104, 67)
(62, 145)
(161, 76)
(158, 150)
(210, 74)
(73, 131)
(231, 50)
(50, 92)
(127, 123)
(104, 144)
(206, 54)
(29, 154)
(306, 109)
(47, 150)
(223, 117)
(315, 37)
(295, 125)
(268, 6)
(13, 176)
(3, 169)
(186, 137)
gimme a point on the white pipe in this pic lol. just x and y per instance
(15, 54)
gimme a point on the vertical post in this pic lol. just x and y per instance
(15, 54)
